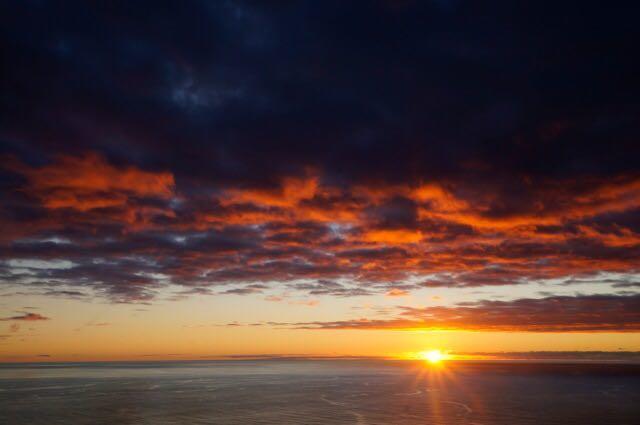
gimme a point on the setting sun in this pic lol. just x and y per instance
(433, 356)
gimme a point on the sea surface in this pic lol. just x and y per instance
(318, 392)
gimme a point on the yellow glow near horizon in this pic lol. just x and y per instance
(189, 330)
(433, 356)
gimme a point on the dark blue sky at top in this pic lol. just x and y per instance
(247, 91)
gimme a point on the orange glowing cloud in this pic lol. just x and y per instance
(89, 182)
(305, 228)
(393, 236)
(291, 191)
(397, 292)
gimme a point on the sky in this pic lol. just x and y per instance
(224, 179)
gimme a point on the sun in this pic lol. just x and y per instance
(433, 356)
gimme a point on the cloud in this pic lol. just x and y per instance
(415, 165)
(597, 357)
(28, 317)
(397, 292)
(88, 182)
(249, 289)
(307, 303)
(587, 313)
(273, 298)
(329, 287)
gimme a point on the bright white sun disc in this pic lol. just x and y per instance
(432, 356)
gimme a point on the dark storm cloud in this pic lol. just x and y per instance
(241, 91)
(205, 144)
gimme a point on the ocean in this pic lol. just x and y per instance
(362, 392)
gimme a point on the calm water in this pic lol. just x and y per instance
(318, 392)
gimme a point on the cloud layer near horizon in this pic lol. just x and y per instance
(324, 149)
(586, 313)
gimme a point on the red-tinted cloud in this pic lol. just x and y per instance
(89, 182)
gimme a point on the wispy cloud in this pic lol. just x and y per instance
(588, 313)
(28, 317)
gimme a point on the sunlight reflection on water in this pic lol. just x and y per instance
(313, 392)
